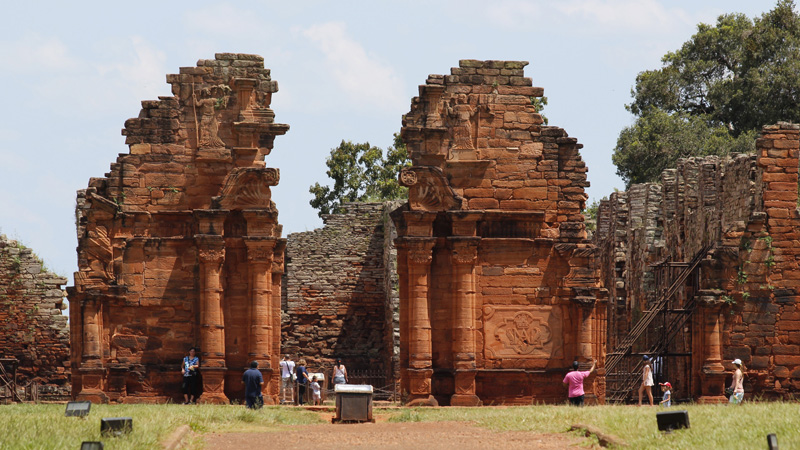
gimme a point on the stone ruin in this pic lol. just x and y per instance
(179, 244)
(744, 210)
(34, 335)
(340, 297)
(499, 287)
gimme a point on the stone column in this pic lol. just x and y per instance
(713, 372)
(259, 258)
(211, 251)
(420, 366)
(92, 372)
(464, 257)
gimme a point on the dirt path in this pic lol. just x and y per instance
(384, 435)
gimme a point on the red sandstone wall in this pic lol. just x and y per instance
(179, 244)
(747, 205)
(498, 284)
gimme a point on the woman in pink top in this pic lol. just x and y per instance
(575, 381)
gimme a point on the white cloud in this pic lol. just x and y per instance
(224, 19)
(141, 70)
(34, 52)
(626, 15)
(366, 80)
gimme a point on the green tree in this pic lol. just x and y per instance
(360, 173)
(714, 93)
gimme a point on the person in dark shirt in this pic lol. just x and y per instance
(302, 381)
(253, 381)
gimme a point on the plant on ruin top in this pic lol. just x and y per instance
(361, 173)
(712, 96)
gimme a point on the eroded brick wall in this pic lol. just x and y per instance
(747, 206)
(32, 328)
(340, 296)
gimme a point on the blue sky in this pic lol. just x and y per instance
(73, 72)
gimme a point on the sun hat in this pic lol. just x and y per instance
(667, 384)
(737, 361)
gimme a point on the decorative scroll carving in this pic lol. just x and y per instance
(98, 252)
(420, 252)
(429, 189)
(522, 332)
(248, 188)
(464, 252)
(211, 255)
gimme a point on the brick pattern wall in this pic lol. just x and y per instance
(339, 296)
(32, 328)
(747, 204)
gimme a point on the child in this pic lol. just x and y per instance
(315, 392)
(667, 399)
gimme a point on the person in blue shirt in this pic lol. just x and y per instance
(253, 382)
(190, 370)
(667, 397)
(302, 381)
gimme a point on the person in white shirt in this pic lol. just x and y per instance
(287, 384)
(316, 392)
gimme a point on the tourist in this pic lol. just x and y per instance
(316, 393)
(287, 378)
(253, 381)
(737, 384)
(666, 399)
(647, 380)
(191, 376)
(339, 373)
(302, 381)
(574, 380)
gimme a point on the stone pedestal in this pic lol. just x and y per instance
(419, 383)
(713, 372)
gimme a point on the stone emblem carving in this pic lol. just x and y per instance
(429, 190)
(522, 332)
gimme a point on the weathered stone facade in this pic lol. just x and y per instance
(499, 287)
(339, 292)
(179, 245)
(32, 329)
(747, 289)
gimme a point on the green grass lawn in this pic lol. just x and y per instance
(27, 426)
(712, 426)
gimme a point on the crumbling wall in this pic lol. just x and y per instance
(339, 292)
(32, 328)
(746, 205)
(179, 244)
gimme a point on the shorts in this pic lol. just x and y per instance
(190, 385)
(736, 398)
(338, 380)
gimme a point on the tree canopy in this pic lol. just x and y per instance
(714, 94)
(361, 173)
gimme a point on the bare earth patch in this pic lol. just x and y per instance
(386, 435)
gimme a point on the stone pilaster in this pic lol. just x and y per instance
(463, 257)
(211, 252)
(420, 354)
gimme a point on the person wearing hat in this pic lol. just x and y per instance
(737, 383)
(647, 381)
(666, 399)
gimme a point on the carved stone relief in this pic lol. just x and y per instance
(522, 332)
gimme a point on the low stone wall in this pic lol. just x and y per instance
(32, 328)
(339, 296)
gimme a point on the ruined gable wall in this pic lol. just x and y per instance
(339, 300)
(179, 245)
(32, 328)
(748, 286)
(496, 274)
